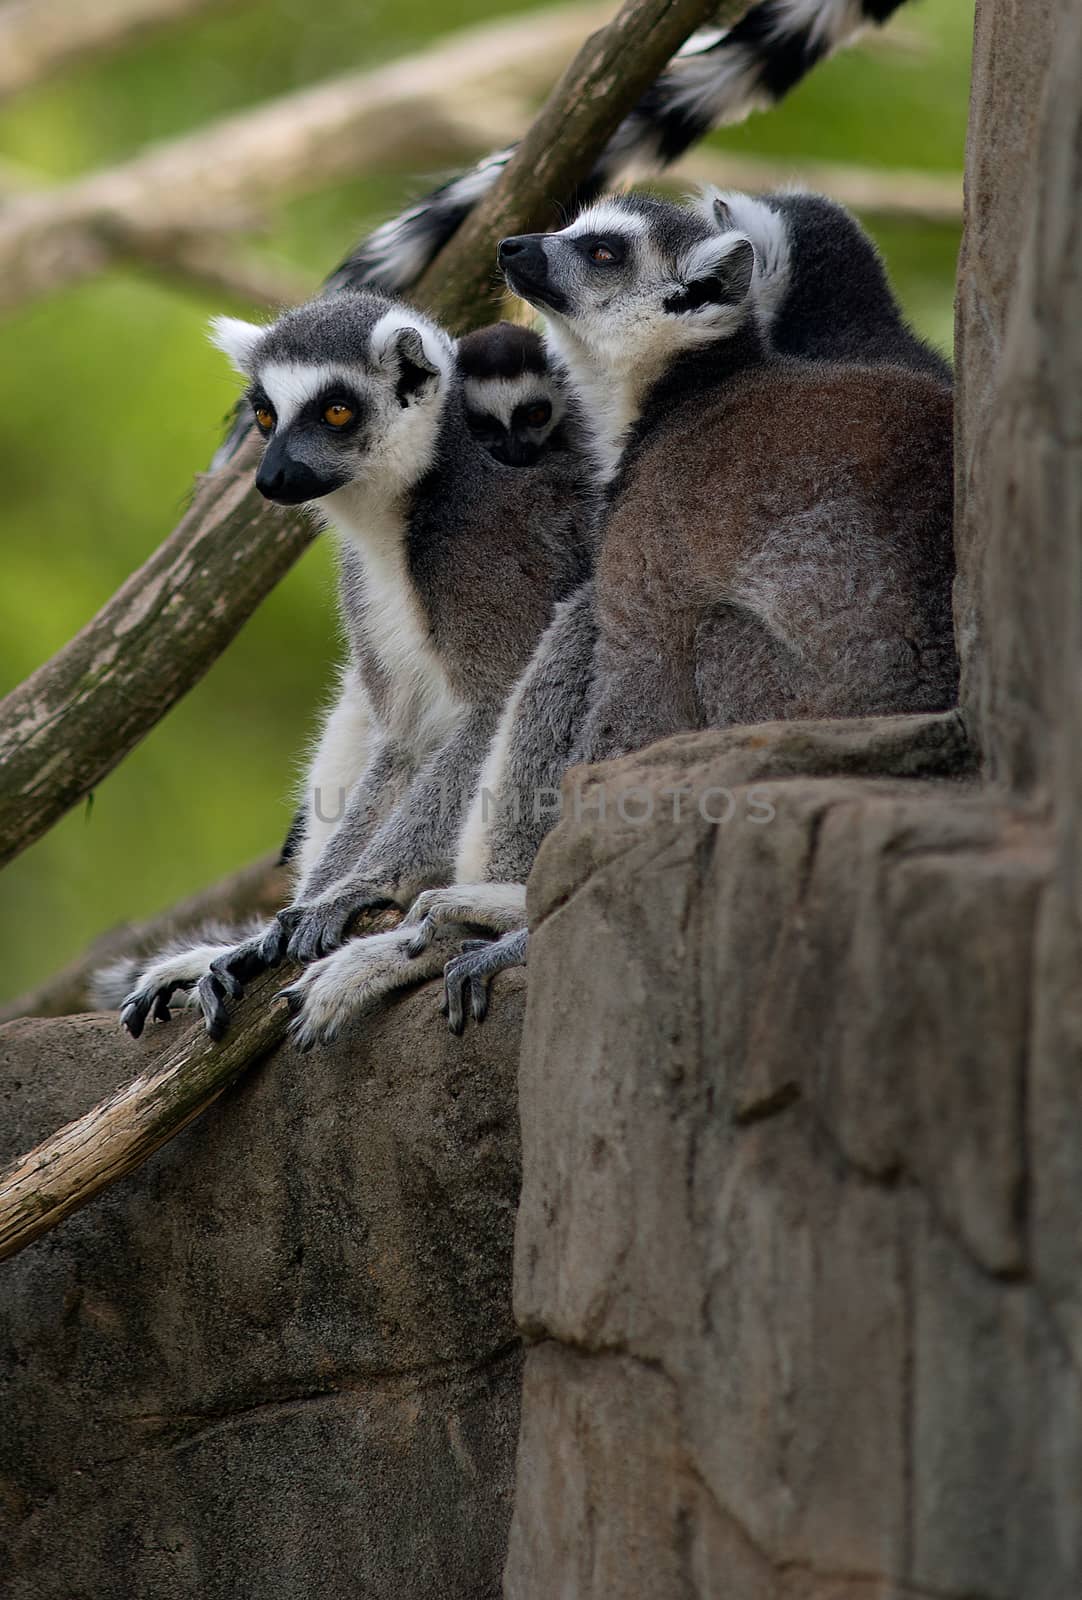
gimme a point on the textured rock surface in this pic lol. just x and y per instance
(278, 1360)
(800, 1241)
(774, 1235)
(1005, 687)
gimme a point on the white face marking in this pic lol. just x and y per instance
(291, 385)
(499, 397)
(607, 217)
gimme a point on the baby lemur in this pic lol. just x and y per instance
(778, 541)
(450, 566)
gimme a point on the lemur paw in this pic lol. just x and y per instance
(351, 982)
(316, 929)
(500, 907)
(473, 971)
(225, 980)
(171, 975)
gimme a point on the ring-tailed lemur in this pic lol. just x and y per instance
(451, 565)
(516, 408)
(515, 402)
(778, 542)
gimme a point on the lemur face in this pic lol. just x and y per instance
(634, 280)
(345, 389)
(514, 401)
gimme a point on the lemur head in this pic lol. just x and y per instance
(633, 283)
(348, 388)
(514, 400)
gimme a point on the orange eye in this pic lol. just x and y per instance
(601, 252)
(538, 415)
(265, 418)
(337, 415)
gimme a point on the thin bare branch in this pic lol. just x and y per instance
(411, 111)
(38, 37)
(258, 890)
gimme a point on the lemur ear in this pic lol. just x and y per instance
(238, 340)
(411, 354)
(714, 208)
(717, 273)
(416, 369)
(721, 213)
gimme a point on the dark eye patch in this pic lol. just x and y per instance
(314, 413)
(486, 429)
(602, 249)
(532, 414)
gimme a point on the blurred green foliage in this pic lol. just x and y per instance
(111, 398)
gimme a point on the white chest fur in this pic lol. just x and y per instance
(422, 708)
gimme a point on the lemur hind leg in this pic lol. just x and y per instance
(411, 849)
(474, 969)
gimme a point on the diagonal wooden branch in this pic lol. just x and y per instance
(411, 110)
(37, 37)
(70, 723)
(115, 1137)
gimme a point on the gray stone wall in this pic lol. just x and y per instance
(279, 1360)
(799, 1252)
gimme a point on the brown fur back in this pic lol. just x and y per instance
(782, 547)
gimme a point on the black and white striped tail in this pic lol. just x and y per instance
(720, 76)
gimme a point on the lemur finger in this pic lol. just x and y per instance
(272, 947)
(455, 979)
(479, 999)
(422, 937)
(294, 1001)
(212, 1004)
(227, 983)
(161, 1012)
(133, 1013)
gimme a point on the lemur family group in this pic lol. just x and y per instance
(716, 491)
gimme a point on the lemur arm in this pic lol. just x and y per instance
(412, 847)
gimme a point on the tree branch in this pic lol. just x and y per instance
(880, 190)
(411, 110)
(114, 1138)
(39, 36)
(72, 721)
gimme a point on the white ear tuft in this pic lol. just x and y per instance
(238, 340)
(714, 207)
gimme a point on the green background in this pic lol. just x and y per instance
(111, 398)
